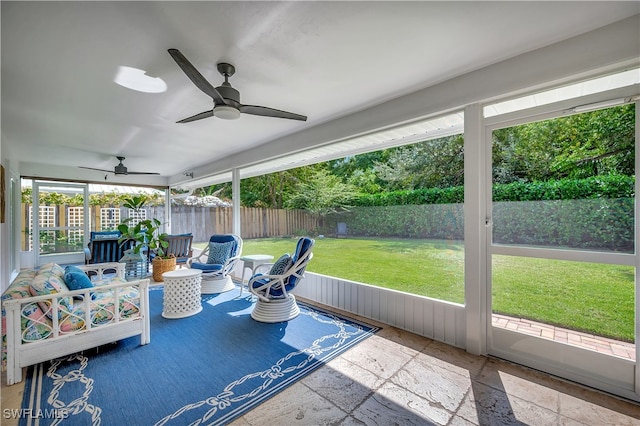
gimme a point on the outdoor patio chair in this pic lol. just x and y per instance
(104, 247)
(217, 261)
(180, 247)
(275, 301)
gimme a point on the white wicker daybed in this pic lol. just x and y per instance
(43, 326)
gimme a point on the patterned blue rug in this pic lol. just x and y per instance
(209, 368)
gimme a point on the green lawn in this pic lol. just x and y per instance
(590, 297)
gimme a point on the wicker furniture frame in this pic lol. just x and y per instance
(21, 354)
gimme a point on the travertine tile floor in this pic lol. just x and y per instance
(399, 378)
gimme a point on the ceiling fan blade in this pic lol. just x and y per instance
(100, 170)
(195, 76)
(205, 114)
(142, 173)
(270, 112)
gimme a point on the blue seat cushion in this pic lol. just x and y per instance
(219, 252)
(206, 267)
(274, 292)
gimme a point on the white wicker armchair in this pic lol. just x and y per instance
(217, 261)
(275, 301)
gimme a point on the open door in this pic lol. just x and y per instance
(59, 222)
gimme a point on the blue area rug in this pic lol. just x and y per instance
(209, 368)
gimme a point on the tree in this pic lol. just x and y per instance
(582, 145)
(322, 193)
(437, 163)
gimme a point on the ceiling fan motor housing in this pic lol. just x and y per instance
(229, 93)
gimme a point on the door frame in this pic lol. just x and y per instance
(72, 257)
(608, 373)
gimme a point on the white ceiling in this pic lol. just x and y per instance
(325, 60)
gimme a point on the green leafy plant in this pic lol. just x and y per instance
(145, 232)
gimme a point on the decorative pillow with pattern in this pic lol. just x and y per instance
(219, 252)
(51, 268)
(281, 265)
(49, 282)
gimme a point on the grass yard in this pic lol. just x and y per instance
(595, 298)
(590, 297)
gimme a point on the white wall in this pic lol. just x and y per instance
(5, 249)
(436, 319)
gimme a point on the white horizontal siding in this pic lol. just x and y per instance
(436, 319)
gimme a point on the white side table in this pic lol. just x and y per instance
(182, 296)
(252, 262)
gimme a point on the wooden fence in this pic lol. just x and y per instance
(202, 222)
(254, 222)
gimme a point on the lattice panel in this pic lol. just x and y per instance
(75, 221)
(136, 216)
(109, 218)
(46, 219)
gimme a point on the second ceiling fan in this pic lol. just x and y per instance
(226, 99)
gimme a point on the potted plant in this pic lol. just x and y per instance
(148, 238)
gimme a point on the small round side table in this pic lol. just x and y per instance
(182, 296)
(252, 261)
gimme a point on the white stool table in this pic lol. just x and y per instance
(252, 262)
(182, 296)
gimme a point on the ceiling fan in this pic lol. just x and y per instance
(120, 169)
(226, 99)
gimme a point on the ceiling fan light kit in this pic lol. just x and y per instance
(226, 112)
(226, 99)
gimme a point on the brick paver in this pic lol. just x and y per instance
(571, 337)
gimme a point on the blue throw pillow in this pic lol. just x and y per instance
(219, 252)
(77, 280)
(281, 265)
(71, 268)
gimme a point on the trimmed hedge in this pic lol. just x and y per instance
(610, 186)
(591, 214)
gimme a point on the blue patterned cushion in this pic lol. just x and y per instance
(281, 265)
(205, 267)
(219, 252)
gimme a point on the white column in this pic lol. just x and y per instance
(235, 198)
(167, 210)
(475, 248)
